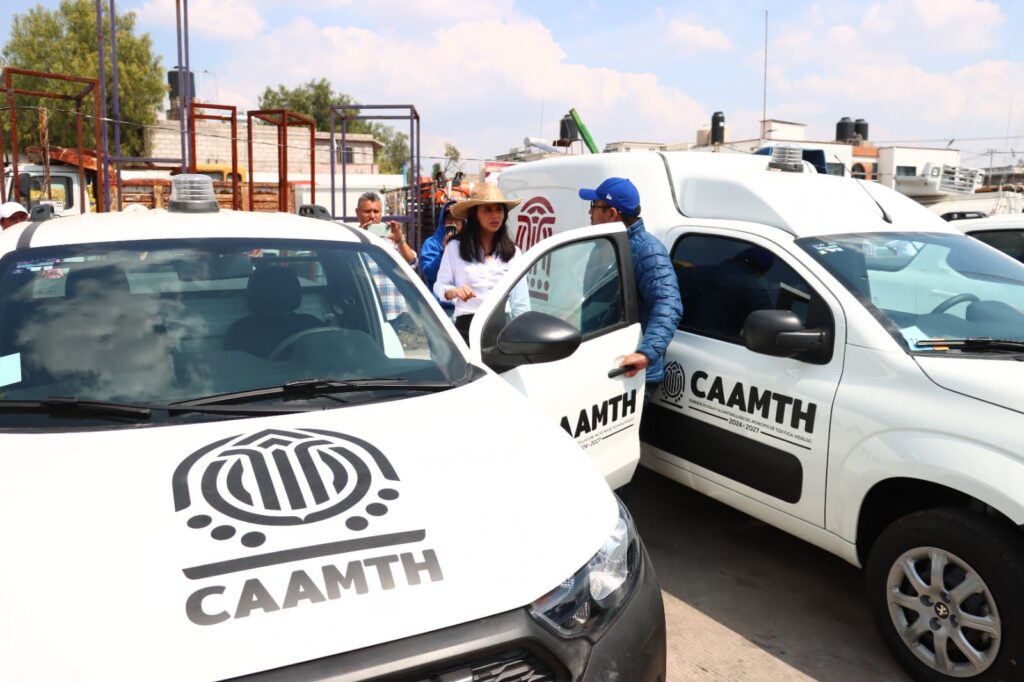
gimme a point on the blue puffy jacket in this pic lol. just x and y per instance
(658, 294)
(430, 263)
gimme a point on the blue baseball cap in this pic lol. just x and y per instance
(619, 193)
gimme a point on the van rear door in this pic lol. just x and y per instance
(584, 277)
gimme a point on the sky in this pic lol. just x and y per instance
(485, 74)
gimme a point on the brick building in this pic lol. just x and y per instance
(213, 146)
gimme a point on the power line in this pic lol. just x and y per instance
(951, 140)
(148, 126)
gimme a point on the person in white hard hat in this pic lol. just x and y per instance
(12, 213)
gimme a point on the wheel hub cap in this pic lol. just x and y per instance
(944, 611)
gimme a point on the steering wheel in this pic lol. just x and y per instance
(952, 301)
(281, 349)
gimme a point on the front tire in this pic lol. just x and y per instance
(945, 589)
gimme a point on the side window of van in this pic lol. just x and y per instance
(723, 280)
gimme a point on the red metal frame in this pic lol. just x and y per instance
(92, 88)
(283, 120)
(236, 195)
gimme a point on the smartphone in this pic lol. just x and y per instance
(379, 229)
(449, 231)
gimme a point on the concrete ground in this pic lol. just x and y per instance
(744, 601)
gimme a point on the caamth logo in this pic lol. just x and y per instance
(284, 478)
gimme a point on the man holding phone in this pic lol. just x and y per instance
(369, 211)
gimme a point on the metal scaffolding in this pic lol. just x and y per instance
(93, 88)
(282, 118)
(352, 112)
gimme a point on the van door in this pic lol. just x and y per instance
(725, 415)
(585, 277)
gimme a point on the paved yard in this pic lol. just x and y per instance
(745, 601)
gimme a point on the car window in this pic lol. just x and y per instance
(168, 320)
(579, 283)
(1010, 242)
(61, 192)
(722, 281)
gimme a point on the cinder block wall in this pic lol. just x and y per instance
(213, 146)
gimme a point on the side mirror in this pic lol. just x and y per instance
(41, 212)
(534, 337)
(25, 185)
(781, 333)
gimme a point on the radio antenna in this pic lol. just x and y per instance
(885, 216)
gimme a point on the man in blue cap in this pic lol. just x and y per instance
(614, 200)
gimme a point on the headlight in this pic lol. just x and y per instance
(587, 601)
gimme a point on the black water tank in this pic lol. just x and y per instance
(172, 80)
(568, 130)
(717, 128)
(845, 129)
(860, 127)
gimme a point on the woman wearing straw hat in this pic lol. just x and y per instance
(474, 261)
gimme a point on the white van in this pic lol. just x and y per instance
(849, 369)
(251, 446)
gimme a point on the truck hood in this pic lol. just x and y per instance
(995, 380)
(208, 551)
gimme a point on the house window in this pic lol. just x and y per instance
(346, 155)
(903, 171)
(858, 171)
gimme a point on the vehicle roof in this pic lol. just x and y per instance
(734, 187)
(803, 204)
(1014, 221)
(162, 224)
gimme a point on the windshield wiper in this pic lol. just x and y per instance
(312, 387)
(975, 343)
(78, 408)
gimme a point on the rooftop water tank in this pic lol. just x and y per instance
(717, 128)
(845, 129)
(860, 127)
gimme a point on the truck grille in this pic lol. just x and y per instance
(510, 666)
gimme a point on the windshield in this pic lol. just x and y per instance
(928, 286)
(161, 321)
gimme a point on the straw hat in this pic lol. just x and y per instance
(484, 193)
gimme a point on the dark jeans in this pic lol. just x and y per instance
(462, 323)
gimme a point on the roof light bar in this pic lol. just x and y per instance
(192, 193)
(787, 158)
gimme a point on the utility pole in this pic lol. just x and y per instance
(764, 93)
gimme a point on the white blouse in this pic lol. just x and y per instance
(480, 277)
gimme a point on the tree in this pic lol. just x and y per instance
(395, 152)
(451, 159)
(315, 98)
(64, 41)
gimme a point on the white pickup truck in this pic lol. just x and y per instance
(65, 189)
(848, 368)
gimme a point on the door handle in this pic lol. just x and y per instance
(619, 371)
